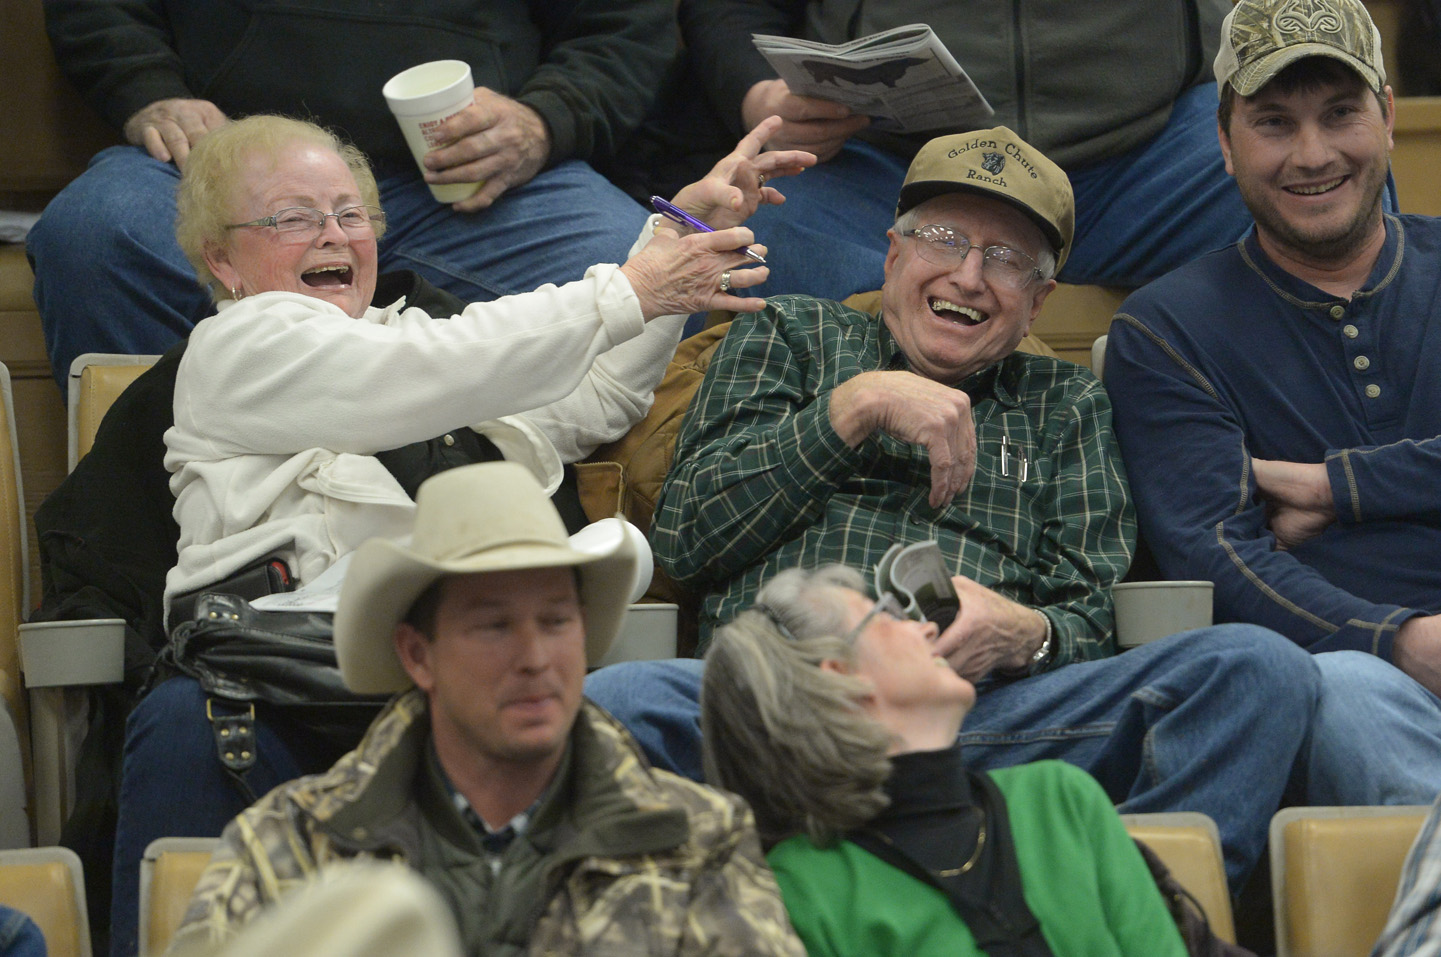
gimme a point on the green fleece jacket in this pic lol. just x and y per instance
(1080, 872)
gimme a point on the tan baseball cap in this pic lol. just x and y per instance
(1260, 38)
(997, 163)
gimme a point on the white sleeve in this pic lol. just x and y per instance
(618, 390)
(280, 372)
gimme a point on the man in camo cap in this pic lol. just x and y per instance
(1277, 402)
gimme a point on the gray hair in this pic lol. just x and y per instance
(1044, 255)
(781, 732)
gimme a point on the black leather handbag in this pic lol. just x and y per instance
(282, 661)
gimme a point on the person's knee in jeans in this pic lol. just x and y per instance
(659, 704)
(109, 275)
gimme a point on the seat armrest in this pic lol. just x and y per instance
(60, 658)
(63, 653)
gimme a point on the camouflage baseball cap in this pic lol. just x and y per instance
(996, 163)
(1260, 38)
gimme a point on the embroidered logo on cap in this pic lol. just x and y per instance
(993, 163)
(1321, 18)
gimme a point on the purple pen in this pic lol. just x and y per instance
(674, 213)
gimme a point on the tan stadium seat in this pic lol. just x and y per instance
(96, 381)
(58, 655)
(1190, 846)
(46, 883)
(168, 874)
(15, 804)
(1334, 872)
(1417, 153)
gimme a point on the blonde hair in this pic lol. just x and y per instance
(780, 731)
(216, 165)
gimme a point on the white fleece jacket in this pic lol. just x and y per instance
(281, 401)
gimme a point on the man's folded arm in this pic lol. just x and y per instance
(1195, 494)
(1400, 481)
(718, 40)
(601, 70)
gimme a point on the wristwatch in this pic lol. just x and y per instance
(1043, 653)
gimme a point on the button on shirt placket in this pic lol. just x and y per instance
(1357, 352)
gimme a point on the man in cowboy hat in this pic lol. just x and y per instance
(530, 809)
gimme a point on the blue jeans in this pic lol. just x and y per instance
(1138, 215)
(19, 935)
(1208, 721)
(1377, 735)
(173, 785)
(109, 276)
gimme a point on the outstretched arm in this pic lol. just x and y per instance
(619, 388)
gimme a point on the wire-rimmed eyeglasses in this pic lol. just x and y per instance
(301, 224)
(1002, 265)
(888, 605)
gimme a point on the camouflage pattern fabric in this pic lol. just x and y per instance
(1263, 37)
(711, 893)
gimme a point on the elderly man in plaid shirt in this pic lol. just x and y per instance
(825, 434)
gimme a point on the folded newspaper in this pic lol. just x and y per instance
(903, 78)
(917, 575)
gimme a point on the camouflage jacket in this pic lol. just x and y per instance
(668, 867)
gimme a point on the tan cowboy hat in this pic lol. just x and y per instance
(491, 517)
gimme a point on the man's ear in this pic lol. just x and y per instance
(836, 666)
(1042, 291)
(1225, 139)
(413, 650)
(892, 253)
(1390, 117)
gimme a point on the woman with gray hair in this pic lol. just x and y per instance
(833, 717)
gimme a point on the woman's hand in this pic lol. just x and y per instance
(676, 275)
(735, 186)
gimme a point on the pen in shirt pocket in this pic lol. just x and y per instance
(1016, 454)
(674, 213)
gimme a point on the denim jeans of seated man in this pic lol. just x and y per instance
(1376, 738)
(19, 935)
(173, 785)
(109, 276)
(1210, 720)
(1138, 215)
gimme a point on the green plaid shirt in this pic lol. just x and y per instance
(762, 483)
